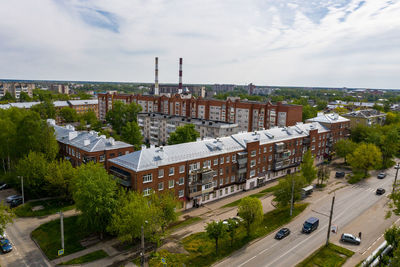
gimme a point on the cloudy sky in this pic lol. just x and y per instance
(336, 43)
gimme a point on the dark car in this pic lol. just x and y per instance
(381, 175)
(5, 245)
(15, 202)
(380, 191)
(11, 198)
(4, 186)
(350, 239)
(284, 232)
(340, 174)
(310, 225)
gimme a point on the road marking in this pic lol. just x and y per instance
(268, 248)
(247, 261)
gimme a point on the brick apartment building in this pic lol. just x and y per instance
(249, 115)
(207, 170)
(82, 147)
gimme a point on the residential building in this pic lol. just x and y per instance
(249, 115)
(157, 127)
(367, 117)
(82, 146)
(60, 88)
(210, 169)
(16, 88)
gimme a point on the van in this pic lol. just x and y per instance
(310, 225)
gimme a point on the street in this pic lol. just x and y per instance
(351, 201)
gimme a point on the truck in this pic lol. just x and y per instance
(310, 225)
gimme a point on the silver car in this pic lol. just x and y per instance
(349, 238)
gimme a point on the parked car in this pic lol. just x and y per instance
(381, 175)
(310, 225)
(340, 174)
(4, 186)
(284, 232)
(5, 245)
(350, 239)
(3, 236)
(15, 202)
(380, 191)
(10, 198)
(238, 219)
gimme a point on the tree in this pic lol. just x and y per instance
(68, 114)
(308, 170)
(45, 109)
(121, 114)
(8, 97)
(131, 134)
(232, 226)
(321, 105)
(283, 193)
(6, 217)
(392, 236)
(322, 174)
(389, 145)
(344, 147)
(309, 112)
(366, 157)
(24, 97)
(166, 203)
(359, 133)
(59, 177)
(216, 230)
(7, 141)
(90, 118)
(183, 134)
(392, 118)
(250, 210)
(95, 195)
(341, 110)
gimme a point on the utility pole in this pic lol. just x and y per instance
(22, 188)
(142, 256)
(330, 221)
(291, 200)
(62, 229)
(395, 179)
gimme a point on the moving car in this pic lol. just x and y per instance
(381, 175)
(15, 202)
(10, 198)
(5, 245)
(350, 239)
(340, 174)
(380, 191)
(310, 225)
(284, 232)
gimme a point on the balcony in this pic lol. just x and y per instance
(280, 147)
(283, 155)
(243, 170)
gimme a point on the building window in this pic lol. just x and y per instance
(181, 181)
(221, 181)
(161, 173)
(181, 193)
(232, 188)
(269, 157)
(171, 171)
(270, 149)
(252, 173)
(232, 178)
(253, 163)
(221, 171)
(182, 169)
(147, 178)
(227, 159)
(101, 158)
(171, 183)
(226, 190)
(160, 186)
(227, 180)
(206, 163)
(146, 191)
(215, 162)
(265, 149)
(233, 158)
(253, 153)
(221, 160)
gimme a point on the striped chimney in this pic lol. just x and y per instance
(156, 87)
(180, 73)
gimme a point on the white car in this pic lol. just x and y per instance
(3, 236)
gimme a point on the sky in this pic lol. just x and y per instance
(327, 43)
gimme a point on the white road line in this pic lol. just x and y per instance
(247, 261)
(268, 248)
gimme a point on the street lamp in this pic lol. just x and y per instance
(397, 167)
(22, 188)
(142, 258)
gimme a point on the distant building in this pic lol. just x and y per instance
(156, 127)
(367, 117)
(83, 147)
(221, 88)
(60, 88)
(16, 88)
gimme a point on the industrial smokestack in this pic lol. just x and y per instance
(180, 75)
(156, 87)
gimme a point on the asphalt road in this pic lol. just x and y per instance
(350, 202)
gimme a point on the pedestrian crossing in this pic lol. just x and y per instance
(366, 188)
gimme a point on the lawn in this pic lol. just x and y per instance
(201, 248)
(330, 256)
(51, 206)
(179, 224)
(257, 195)
(48, 236)
(95, 255)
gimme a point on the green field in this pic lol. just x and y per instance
(257, 195)
(95, 255)
(327, 256)
(50, 206)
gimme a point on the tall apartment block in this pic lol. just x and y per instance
(156, 127)
(249, 115)
(210, 169)
(15, 89)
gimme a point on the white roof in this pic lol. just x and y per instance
(153, 157)
(328, 118)
(5, 106)
(24, 104)
(60, 103)
(84, 102)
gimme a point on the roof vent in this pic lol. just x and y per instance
(72, 135)
(111, 141)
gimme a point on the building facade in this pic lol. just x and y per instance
(82, 147)
(16, 88)
(366, 117)
(156, 127)
(249, 115)
(207, 170)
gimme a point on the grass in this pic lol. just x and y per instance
(48, 236)
(256, 195)
(330, 256)
(51, 206)
(175, 226)
(95, 255)
(201, 248)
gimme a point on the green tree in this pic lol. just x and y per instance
(166, 202)
(250, 210)
(309, 112)
(392, 118)
(344, 147)
(7, 97)
(45, 109)
(392, 236)
(24, 97)
(7, 141)
(68, 114)
(216, 230)
(322, 174)
(359, 133)
(90, 118)
(283, 193)
(389, 145)
(6, 217)
(183, 134)
(366, 157)
(121, 114)
(321, 105)
(308, 170)
(95, 195)
(231, 228)
(131, 134)
(59, 177)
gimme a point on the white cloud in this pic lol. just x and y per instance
(311, 43)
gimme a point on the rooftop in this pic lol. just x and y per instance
(328, 118)
(365, 113)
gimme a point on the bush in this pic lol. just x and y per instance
(356, 177)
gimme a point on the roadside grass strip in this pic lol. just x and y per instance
(327, 256)
(50, 206)
(95, 255)
(256, 195)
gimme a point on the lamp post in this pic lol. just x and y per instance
(142, 258)
(22, 188)
(397, 167)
